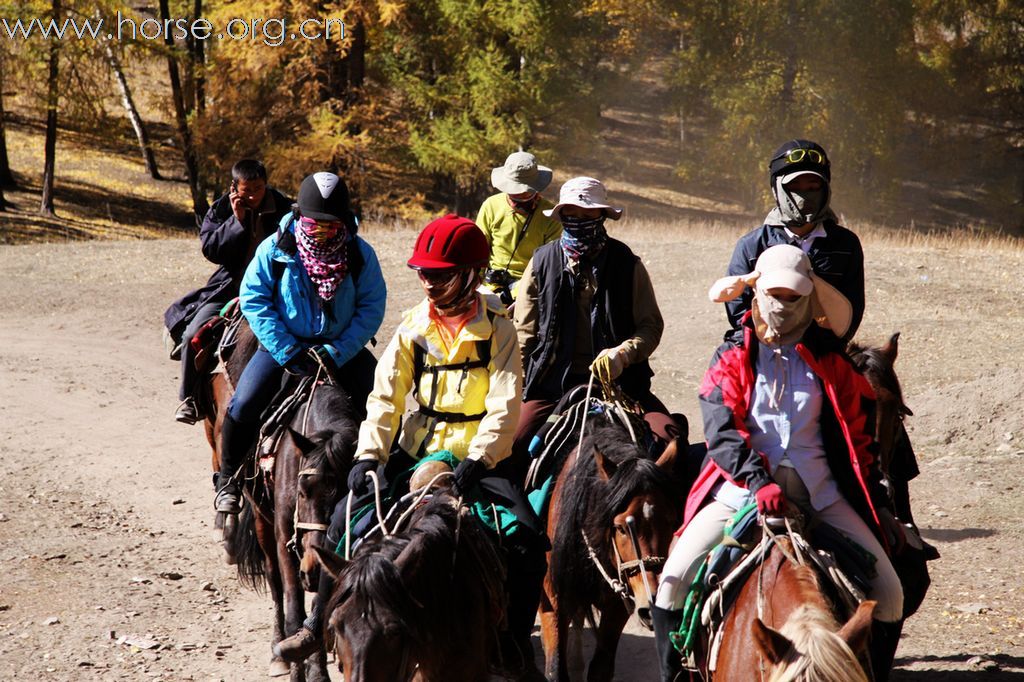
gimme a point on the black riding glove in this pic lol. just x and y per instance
(468, 474)
(303, 365)
(322, 356)
(358, 481)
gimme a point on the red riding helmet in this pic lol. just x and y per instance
(450, 242)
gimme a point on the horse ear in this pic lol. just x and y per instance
(892, 348)
(304, 444)
(331, 562)
(857, 631)
(605, 467)
(667, 461)
(772, 644)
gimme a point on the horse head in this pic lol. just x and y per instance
(808, 648)
(322, 464)
(645, 512)
(369, 627)
(877, 366)
(399, 602)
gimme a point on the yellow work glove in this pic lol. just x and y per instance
(609, 363)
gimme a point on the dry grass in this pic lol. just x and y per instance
(645, 230)
(102, 190)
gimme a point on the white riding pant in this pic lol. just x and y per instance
(704, 532)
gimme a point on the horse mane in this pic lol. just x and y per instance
(371, 585)
(589, 504)
(817, 652)
(876, 366)
(445, 549)
(337, 430)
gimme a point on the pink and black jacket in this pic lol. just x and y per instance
(847, 423)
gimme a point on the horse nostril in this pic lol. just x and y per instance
(644, 614)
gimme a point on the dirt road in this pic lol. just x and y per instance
(105, 501)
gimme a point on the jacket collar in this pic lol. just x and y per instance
(480, 328)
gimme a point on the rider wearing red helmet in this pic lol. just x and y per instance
(457, 353)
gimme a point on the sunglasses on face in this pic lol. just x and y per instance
(320, 229)
(798, 155)
(432, 276)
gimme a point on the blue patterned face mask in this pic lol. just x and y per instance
(583, 237)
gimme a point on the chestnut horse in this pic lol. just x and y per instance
(611, 518)
(796, 636)
(424, 603)
(267, 544)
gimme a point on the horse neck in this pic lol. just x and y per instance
(794, 586)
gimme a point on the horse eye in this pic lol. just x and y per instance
(620, 529)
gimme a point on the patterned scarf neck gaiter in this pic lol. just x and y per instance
(583, 238)
(323, 252)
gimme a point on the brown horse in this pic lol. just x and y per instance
(266, 543)
(796, 637)
(878, 367)
(423, 604)
(611, 518)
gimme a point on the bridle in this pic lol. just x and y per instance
(299, 526)
(642, 565)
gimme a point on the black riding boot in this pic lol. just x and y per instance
(885, 639)
(666, 622)
(235, 441)
(309, 638)
(526, 565)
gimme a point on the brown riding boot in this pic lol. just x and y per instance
(298, 647)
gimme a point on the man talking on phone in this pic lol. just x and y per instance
(232, 229)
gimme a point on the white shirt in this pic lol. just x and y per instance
(785, 425)
(808, 239)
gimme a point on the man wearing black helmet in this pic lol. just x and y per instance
(799, 174)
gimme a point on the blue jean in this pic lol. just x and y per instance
(206, 312)
(260, 380)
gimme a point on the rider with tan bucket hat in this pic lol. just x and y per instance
(586, 303)
(514, 221)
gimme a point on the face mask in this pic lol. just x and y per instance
(778, 322)
(583, 237)
(525, 205)
(810, 202)
(453, 294)
(801, 208)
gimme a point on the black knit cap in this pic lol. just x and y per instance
(779, 165)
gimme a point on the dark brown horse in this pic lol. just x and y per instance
(281, 518)
(878, 366)
(611, 519)
(424, 604)
(781, 606)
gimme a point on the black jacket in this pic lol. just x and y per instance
(837, 258)
(231, 245)
(546, 370)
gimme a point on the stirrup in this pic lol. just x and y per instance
(227, 499)
(188, 412)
